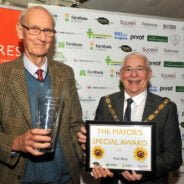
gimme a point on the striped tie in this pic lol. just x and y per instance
(39, 72)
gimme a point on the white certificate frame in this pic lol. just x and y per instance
(121, 146)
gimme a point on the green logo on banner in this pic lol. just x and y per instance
(109, 61)
(91, 34)
(61, 45)
(82, 72)
(155, 38)
(174, 64)
(66, 17)
(179, 88)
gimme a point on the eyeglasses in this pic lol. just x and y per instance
(139, 70)
(37, 31)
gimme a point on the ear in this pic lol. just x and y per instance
(150, 74)
(19, 30)
(120, 75)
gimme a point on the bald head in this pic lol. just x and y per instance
(137, 54)
(39, 10)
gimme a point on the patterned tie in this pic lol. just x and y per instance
(127, 116)
(39, 72)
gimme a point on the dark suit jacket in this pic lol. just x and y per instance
(168, 145)
(15, 117)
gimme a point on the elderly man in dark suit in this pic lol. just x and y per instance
(20, 160)
(135, 75)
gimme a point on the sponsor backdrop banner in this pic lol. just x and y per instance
(94, 43)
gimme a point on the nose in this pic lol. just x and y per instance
(134, 72)
(41, 36)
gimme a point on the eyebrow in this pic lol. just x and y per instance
(135, 66)
(35, 26)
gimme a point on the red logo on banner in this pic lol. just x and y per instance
(10, 45)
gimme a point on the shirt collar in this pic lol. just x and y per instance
(32, 68)
(138, 99)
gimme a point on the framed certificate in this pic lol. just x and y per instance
(121, 146)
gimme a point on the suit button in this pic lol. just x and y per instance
(19, 177)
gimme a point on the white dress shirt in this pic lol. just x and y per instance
(137, 106)
(32, 68)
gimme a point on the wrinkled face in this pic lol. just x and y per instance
(36, 45)
(135, 75)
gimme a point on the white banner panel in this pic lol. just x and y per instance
(95, 42)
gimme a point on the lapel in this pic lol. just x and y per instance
(57, 75)
(119, 105)
(19, 89)
(149, 106)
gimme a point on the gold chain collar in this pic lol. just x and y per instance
(149, 118)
